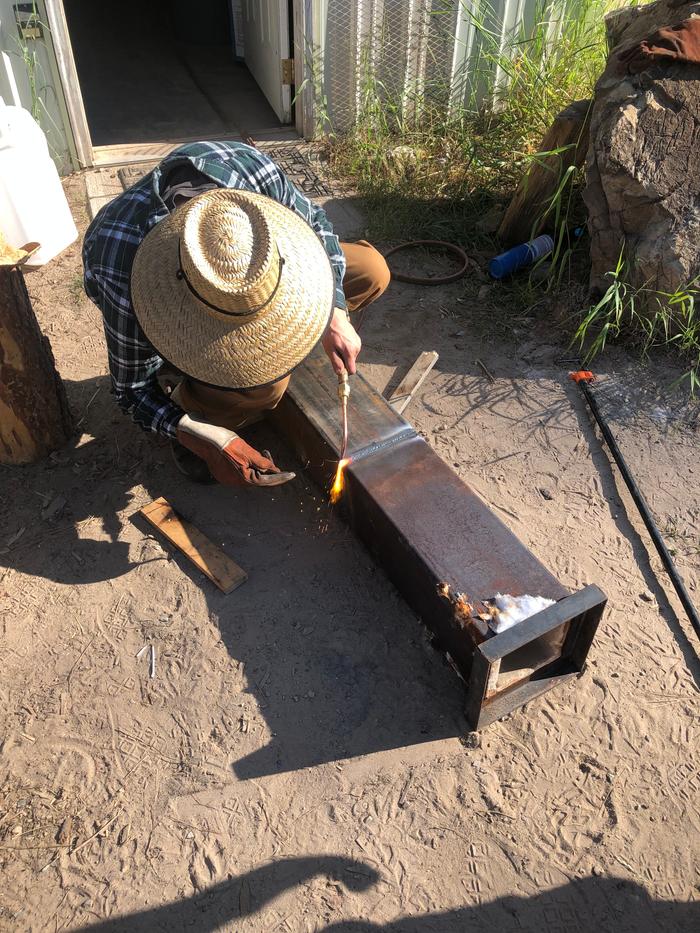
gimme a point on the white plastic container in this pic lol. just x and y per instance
(33, 205)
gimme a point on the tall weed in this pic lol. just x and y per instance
(433, 171)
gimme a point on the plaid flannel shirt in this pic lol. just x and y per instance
(116, 233)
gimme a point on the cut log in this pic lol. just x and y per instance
(567, 142)
(34, 414)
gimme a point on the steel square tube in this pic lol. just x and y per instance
(426, 528)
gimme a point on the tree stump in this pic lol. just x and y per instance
(34, 414)
(525, 217)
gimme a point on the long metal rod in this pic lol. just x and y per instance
(641, 504)
(344, 447)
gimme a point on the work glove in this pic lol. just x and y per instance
(230, 460)
(679, 43)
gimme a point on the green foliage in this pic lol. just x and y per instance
(39, 86)
(651, 318)
(428, 170)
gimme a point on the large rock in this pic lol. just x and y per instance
(643, 167)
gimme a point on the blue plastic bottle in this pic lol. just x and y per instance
(520, 256)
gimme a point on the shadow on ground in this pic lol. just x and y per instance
(339, 665)
(611, 482)
(586, 905)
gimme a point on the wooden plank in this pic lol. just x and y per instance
(565, 144)
(127, 153)
(102, 187)
(203, 553)
(401, 397)
(101, 183)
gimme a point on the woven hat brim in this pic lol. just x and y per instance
(218, 349)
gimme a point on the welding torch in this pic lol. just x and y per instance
(344, 395)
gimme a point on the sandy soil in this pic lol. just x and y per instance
(300, 760)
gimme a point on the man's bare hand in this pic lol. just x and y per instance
(342, 343)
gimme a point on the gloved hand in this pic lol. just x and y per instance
(230, 460)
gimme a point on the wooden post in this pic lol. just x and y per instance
(34, 414)
(524, 217)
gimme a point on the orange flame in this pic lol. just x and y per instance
(339, 481)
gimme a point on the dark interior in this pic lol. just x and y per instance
(522, 663)
(162, 70)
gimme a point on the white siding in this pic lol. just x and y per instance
(15, 86)
(415, 49)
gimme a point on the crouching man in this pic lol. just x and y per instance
(217, 268)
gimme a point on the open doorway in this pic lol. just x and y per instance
(153, 71)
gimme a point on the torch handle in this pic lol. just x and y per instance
(344, 395)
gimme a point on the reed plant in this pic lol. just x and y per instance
(649, 318)
(430, 170)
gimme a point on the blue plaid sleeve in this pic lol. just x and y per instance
(115, 235)
(315, 216)
(133, 361)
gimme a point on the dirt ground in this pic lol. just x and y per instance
(300, 761)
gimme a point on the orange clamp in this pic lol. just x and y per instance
(583, 375)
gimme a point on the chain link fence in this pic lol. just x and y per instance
(400, 50)
(413, 54)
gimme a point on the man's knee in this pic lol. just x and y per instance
(366, 276)
(377, 270)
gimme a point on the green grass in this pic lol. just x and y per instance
(40, 88)
(688, 544)
(433, 175)
(429, 175)
(76, 288)
(649, 318)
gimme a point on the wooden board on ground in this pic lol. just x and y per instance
(413, 380)
(203, 553)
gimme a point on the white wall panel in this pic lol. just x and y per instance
(15, 86)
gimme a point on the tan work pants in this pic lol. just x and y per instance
(366, 277)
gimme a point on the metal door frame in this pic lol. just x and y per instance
(306, 14)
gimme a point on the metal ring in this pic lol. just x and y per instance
(430, 280)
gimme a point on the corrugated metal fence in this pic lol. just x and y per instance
(443, 53)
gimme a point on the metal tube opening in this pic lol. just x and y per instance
(522, 664)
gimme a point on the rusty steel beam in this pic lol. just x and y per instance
(426, 528)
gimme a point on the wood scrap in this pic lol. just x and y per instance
(486, 372)
(564, 144)
(204, 554)
(403, 394)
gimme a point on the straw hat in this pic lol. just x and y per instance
(233, 288)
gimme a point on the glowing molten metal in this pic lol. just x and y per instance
(339, 481)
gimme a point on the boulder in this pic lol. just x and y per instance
(643, 164)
